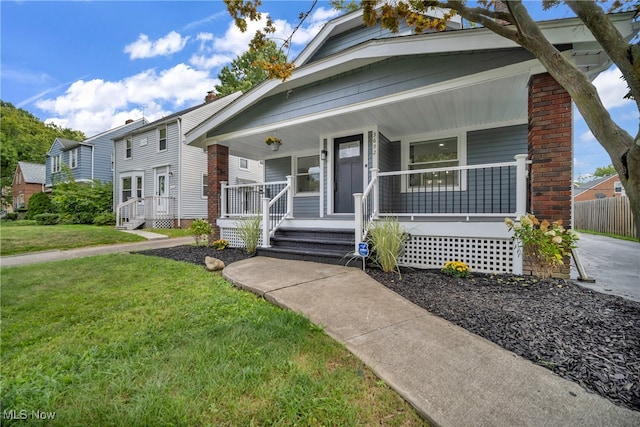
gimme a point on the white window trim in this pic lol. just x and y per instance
(73, 154)
(166, 139)
(202, 186)
(240, 159)
(461, 136)
(127, 140)
(294, 169)
(133, 176)
(56, 161)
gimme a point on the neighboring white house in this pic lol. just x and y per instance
(160, 182)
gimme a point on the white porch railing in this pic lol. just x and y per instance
(157, 211)
(272, 200)
(488, 190)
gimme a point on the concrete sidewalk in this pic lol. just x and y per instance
(59, 255)
(451, 376)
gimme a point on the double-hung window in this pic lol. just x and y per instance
(55, 163)
(308, 174)
(435, 154)
(73, 158)
(162, 139)
(205, 185)
(128, 148)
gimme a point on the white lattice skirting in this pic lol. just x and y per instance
(162, 223)
(233, 237)
(480, 254)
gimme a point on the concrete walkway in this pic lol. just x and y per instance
(154, 241)
(451, 376)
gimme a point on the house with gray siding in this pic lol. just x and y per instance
(159, 182)
(450, 132)
(86, 160)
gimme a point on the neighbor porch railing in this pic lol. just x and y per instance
(157, 211)
(488, 190)
(273, 201)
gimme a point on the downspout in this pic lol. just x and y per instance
(92, 147)
(179, 172)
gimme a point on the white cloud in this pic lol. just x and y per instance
(94, 106)
(145, 48)
(587, 137)
(612, 88)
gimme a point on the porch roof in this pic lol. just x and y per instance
(496, 96)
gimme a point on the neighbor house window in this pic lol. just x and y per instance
(617, 187)
(73, 158)
(128, 148)
(162, 139)
(205, 185)
(55, 163)
(126, 188)
(244, 164)
(308, 174)
(434, 154)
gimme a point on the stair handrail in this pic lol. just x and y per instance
(366, 208)
(123, 205)
(271, 221)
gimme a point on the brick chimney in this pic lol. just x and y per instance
(211, 96)
(128, 121)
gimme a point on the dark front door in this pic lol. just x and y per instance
(347, 172)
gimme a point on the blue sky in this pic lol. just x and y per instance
(90, 65)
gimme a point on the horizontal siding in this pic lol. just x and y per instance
(193, 118)
(367, 83)
(358, 35)
(194, 165)
(306, 207)
(496, 145)
(255, 172)
(277, 169)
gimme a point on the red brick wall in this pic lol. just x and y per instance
(218, 171)
(605, 188)
(550, 149)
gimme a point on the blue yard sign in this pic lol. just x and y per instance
(363, 249)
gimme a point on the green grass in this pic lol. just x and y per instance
(134, 340)
(615, 236)
(16, 238)
(171, 232)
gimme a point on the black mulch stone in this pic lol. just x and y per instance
(584, 336)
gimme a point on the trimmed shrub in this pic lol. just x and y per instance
(39, 203)
(200, 229)
(11, 216)
(80, 203)
(105, 218)
(47, 219)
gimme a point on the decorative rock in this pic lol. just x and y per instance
(213, 264)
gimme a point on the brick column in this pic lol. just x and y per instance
(550, 150)
(218, 171)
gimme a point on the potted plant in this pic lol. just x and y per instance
(274, 142)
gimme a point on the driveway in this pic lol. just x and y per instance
(614, 263)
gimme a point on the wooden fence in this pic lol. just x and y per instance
(611, 215)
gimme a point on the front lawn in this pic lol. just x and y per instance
(16, 238)
(136, 340)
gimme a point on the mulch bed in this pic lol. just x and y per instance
(581, 335)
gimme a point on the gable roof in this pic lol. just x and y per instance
(586, 186)
(570, 32)
(190, 116)
(33, 173)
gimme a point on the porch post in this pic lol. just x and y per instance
(223, 200)
(265, 222)
(357, 212)
(521, 185)
(217, 171)
(289, 213)
(376, 192)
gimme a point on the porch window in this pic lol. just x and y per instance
(128, 148)
(205, 185)
(73, 158)
(308, 174)
(434, 154)
(162, 139)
